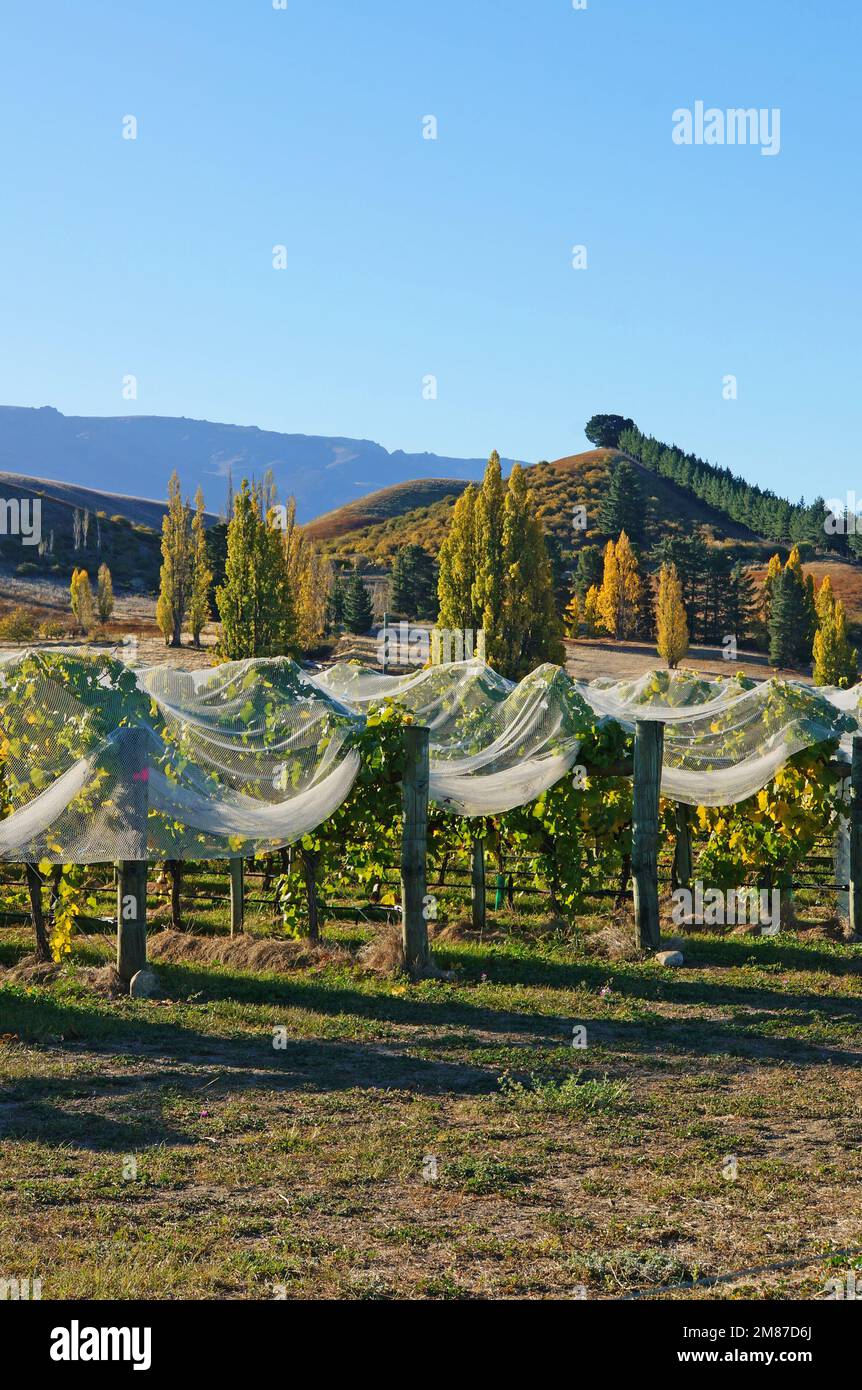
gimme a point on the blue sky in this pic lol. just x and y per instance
(409, 257)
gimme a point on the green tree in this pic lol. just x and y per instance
(358, 608)
(254, 603)
(412, 583)
(604, 430)
(623, 506)
(529, 630)
(589, 571)
(176, 571)
(202, 576)
(488, 543)
(335, 602)
(456, 580)
(835, 661)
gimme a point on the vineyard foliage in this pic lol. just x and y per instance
(568, 840)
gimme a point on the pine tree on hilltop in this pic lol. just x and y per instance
(358, 608)
(835, 661)
(671, 624)
(623, 506)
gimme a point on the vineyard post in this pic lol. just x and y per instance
(237, 912)
(648, 747)
(477, 886)
(681, 872)
(856, 836)
(132, 873)
(414, 792)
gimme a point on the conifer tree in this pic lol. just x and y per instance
(254, 603)
(589, 569)
(412, 587)
(202, 576)
(335, 602)
(176, 572)
(623, 506)
(104, 594)
(835, 661)
(358, 608)
(671, 623)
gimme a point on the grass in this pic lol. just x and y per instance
(443, 1140)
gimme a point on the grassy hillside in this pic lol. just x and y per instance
(375, 527)
(388, 504)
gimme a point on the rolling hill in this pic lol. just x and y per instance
(412, 513)
(138, 453)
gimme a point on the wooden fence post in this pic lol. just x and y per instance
(477, 886)
(34, 889)
(132, 873)
(237, 907)
(681, 871)
(649, 745)
(414, 792)
(856, 836)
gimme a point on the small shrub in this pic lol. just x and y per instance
(51, 628)
(569, 1096)
(27, 567)
(17, 626)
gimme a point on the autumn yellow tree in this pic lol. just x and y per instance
(620, 594)
(835, 661)
(310, 579)
(592, 615)
(81, 595)
(772, 572)
(671, 621)
(572, 617)
(458, 568)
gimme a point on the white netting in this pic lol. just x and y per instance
(102, 762)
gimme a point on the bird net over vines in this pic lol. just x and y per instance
(100, 761)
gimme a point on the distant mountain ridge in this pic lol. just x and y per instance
(136, 454)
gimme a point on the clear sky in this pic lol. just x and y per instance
(453, 257)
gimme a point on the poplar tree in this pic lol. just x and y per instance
(528, 631)
(835, 661)
(176, 572)
(488, 527)
(309, 578)
(572, 616)
(671, 622)
(621, 592)
(458, 568)
(104, 594)
(82, 599)
(254, 603)
(202, 575)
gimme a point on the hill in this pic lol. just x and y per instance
(411, 514)
(138, 453)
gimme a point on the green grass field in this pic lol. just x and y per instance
(441, 1140)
